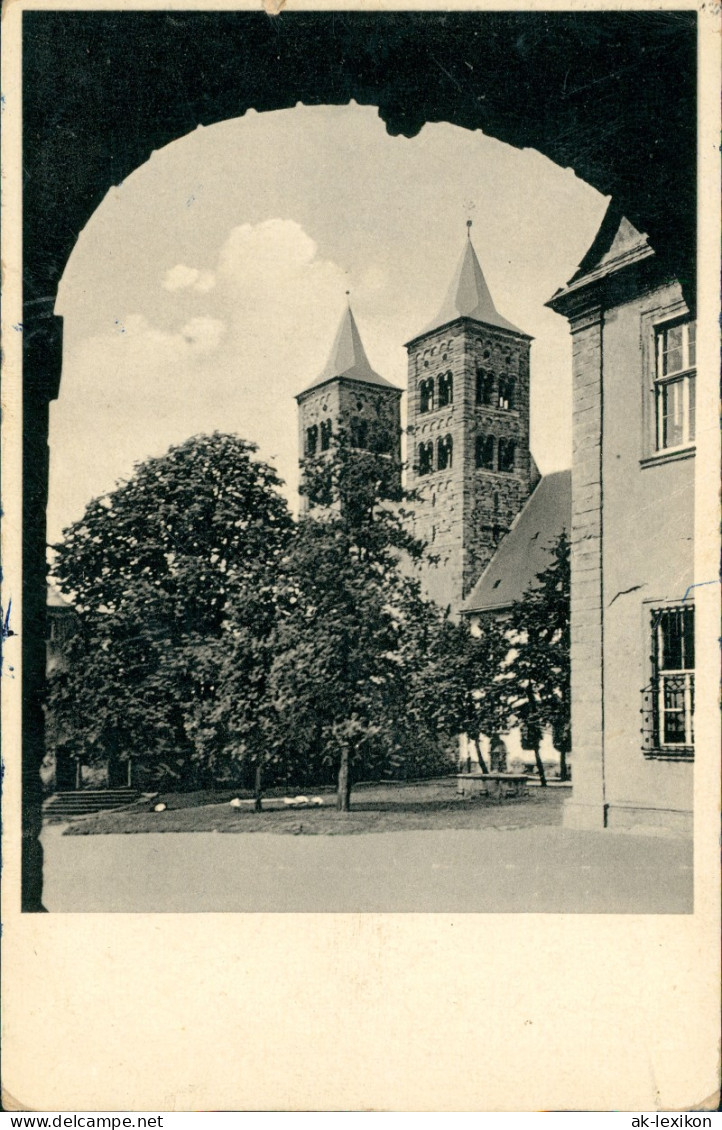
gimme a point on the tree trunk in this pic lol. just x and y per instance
(343, 796)
(258, 788)
(479, 754)
(563, 768)
(540, 767)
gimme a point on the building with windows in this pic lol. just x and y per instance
(632, 534)
(349, 398)
(627, 504)
(468, 433)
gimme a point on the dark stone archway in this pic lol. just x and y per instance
(609, 94)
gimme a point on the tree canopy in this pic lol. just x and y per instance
(154, 569)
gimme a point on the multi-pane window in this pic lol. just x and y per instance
(311, 439)
(326, 429)
(675, 385)
(485, 453)
(484, 387)
(507, 455)
(673, 683)
(426, 395)
(444, 453)
(426, 458)
(446, 389)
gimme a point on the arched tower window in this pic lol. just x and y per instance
(426, 458)
(359, 432)
(485, 453)
(507, 389)
(484, 387)
(326, 430)
(311, 440)
(444, 453)
(446, 389)
(507, 455)
(426, 395)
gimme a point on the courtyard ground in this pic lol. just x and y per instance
(433, 855)
(416, 806)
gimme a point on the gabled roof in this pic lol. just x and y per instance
(616, 245)
(524, 552)
(469, 297)
(348, 359)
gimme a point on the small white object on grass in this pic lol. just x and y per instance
(236, 803)
(160, 807)
(289, 801)
(316, 800)
(302, 800)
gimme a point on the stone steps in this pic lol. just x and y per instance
(83, 802)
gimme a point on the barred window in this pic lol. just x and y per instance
(446, 389)
(444, 453)
(485, 452)
(426, 458)
(673, 677)
(311, 439)
(675, 385)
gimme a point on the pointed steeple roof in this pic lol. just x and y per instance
(469, 297)
(348, 358)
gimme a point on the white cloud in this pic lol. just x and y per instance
(146, 387)
(182, 277)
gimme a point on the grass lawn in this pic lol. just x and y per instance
(431, 806)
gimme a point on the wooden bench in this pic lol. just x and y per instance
(496, 785)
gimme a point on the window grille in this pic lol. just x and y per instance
(669, 699)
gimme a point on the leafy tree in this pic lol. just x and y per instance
(539, 670)
(361, 488)
(474, 680)
(155, 569)
(346, 677)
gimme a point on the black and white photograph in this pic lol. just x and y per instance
(363, 579)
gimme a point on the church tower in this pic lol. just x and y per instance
(349, 398)
(468, 433)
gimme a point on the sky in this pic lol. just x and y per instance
(206, 290)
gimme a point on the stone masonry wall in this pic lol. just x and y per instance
(464, 511)
(345, 402)
(587, 807)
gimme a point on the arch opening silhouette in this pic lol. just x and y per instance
(611, 95)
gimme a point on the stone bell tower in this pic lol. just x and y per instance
(468, 432)
(349, 397)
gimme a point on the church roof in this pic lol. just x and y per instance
(469, 297)
(524, 552)
(348, 359)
